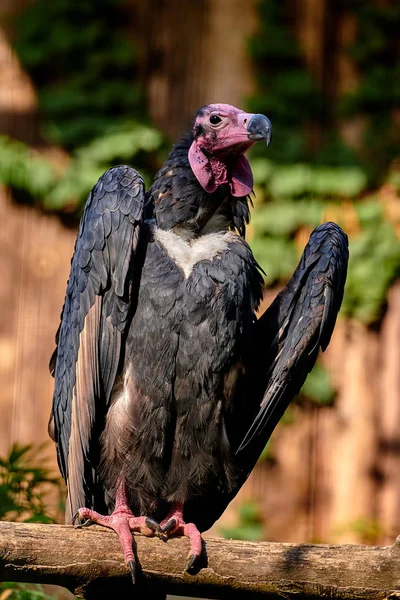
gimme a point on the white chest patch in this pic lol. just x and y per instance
(186, 253)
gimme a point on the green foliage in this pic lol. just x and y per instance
(267, 452)
(292, 197)
(24, 169)
(127, 144)
(301, 179)
(367, 529)
(85, 71)
(286, 92)
(317, 386)
(376, 55)
(24, 483)
(250, 524)
(22, 591)
(375, 264)
(289, 201)
(23, 486)
(121, 144)
(297, 108)
(83, 66)
(301, 196)
(276, 256)
(296, 197)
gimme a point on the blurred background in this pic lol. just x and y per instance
(87, 85)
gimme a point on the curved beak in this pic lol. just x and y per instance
(260, 128)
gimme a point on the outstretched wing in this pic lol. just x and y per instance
(284, 348)
(93, 323)
(298, 323)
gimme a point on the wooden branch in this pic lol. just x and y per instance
(89, 562)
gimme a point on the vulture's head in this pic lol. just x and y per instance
(222, 134)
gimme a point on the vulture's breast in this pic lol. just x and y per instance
(196, 299)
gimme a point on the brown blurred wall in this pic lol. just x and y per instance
(35, 250)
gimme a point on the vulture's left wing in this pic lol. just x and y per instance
(94, 320)
(298, 323)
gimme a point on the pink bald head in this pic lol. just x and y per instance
(216, 156)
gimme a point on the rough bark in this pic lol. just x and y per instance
(89, 562)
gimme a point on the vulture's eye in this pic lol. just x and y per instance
(215, 119)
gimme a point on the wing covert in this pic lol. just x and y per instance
(93, 320)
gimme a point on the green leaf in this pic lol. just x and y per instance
(23, 168)
(24, 480)
(250, 524)
(318, 386)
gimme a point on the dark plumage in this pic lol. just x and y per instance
(167, 387)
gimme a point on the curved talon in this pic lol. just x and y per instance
(86, 523)
(191, 562)
(175, 525)
(76, 521)
(132, 568)
(169, 526)
(153, 525)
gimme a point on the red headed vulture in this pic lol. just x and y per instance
(167, 385)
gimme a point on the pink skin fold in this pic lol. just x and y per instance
(216, 156)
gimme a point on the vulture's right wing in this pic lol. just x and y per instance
(287, 340)
(298, 323)
(105, 271)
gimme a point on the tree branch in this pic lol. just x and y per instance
(89, 562)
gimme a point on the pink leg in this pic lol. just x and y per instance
(174, 525)
(122, 521)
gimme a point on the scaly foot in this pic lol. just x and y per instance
(174, 525)
(123, 522)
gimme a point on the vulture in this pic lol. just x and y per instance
(167, 382)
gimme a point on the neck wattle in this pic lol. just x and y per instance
(237, 173)
(220, 172)
(212, 172)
